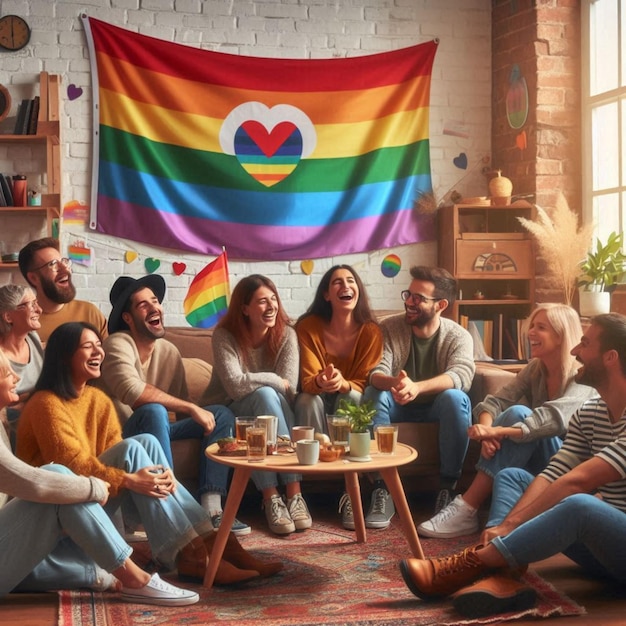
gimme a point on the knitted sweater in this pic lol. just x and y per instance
(234, 379)
(455, 350)
(19, 480)
(124, 376)
(71, 432)
(355, 367)
(549, 418)
(76, 310)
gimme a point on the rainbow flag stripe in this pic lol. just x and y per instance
(207, 298)
(277, 159)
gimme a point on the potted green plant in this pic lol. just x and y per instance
(361, 417)
(601, 270)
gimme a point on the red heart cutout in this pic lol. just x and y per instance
(268, 142)
(178, 268)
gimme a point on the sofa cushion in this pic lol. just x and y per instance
(197, 374)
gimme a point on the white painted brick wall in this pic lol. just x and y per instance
(460, 98)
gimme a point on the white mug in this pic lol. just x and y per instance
(308, 451)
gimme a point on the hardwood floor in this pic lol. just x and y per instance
(605, 602)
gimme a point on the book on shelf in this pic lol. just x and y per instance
(5, 184)
(34, 116)
(482, 334)
(21, 115)
(500, 339)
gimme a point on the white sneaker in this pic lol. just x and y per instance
(456, 520)
(277, 515)
(299, 512)
(157, 591)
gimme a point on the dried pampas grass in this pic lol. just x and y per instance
(561, 243)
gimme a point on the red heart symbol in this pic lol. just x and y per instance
(178, 268)
(268, 142)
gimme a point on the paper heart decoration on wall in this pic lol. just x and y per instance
(461, 161)
(178, 268)
(268, 142)
(520, 140)
(152, 265)
(130, 256)
(306, 267)
(74, 92)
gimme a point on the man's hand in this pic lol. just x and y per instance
(404, 390)
(489, 447)
(154, 481)
(205, 418)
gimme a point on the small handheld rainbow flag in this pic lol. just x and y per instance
(207, 299)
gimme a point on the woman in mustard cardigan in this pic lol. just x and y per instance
(340, 342)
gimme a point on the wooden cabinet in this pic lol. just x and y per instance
(493, 259)
(41, 150)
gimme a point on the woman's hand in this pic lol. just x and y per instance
(489, 447)
(155, 481)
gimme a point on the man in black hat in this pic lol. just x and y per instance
(144, 375)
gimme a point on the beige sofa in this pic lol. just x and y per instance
(422, 475)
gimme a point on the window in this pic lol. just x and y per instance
(604, 114)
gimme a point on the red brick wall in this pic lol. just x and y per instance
(543, 38)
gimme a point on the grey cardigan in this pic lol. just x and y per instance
(455, 350)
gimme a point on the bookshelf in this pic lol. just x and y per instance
(43, 137)
(493, 259)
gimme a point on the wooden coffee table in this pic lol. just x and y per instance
(386, 464)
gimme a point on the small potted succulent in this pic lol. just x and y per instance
(361, 417)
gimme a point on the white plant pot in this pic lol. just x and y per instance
(359, 444)
(592, 303)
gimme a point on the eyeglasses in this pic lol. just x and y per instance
(417, 297)
(54, 265)
(32, 305)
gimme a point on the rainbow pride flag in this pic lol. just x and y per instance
(277, 159)
(207, 298)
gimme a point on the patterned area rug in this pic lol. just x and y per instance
(328, 580)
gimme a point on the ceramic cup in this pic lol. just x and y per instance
(302, 432)
(308, 451)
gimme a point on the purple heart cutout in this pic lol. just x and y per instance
(74, 92)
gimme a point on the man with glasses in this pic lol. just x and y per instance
(50, 275)
(426, 371)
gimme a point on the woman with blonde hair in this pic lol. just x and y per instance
(522, 425)
(255, 353)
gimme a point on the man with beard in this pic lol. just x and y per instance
(51, 276)
(576, 506)
(145, 377)
(426, 371)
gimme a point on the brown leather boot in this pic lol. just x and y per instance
(192, 563)
(431, 578)
(236, 554)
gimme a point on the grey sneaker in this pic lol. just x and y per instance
(345, 508)
(159, 592)
(299, 512)
(381, 509)
(278, 517)
(444, 497)
(238, 528)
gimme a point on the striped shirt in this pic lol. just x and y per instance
(592, 434)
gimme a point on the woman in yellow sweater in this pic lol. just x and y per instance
(70, 422)
(340, 342)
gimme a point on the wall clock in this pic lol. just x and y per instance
(14, 32)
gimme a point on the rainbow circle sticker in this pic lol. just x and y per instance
(391, 265)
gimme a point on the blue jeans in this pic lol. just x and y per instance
(170, 523)
(267, 401)
(153, 418)
(451, 408)
(48, 546)
(532, 455)
(586, 529)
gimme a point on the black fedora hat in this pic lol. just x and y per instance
(123, 288)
